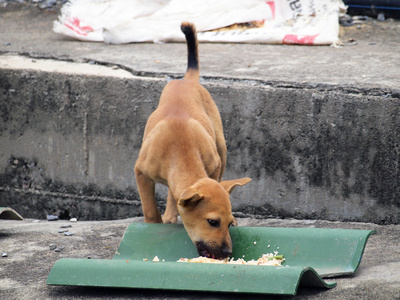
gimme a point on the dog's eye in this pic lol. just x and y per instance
(213, 223)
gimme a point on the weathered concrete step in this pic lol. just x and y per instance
(312, 150)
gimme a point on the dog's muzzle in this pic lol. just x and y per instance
(213, 252)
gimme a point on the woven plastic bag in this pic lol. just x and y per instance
(311, 22)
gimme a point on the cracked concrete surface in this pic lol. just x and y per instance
(318, 128)
(23, 273)
(370, 62)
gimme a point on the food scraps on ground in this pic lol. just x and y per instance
(269, 259)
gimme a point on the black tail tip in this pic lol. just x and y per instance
(188, 28)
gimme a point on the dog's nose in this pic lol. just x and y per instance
(226, 251)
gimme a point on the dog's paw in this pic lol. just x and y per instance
(170, 220)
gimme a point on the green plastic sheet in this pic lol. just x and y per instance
(310, 254)
(9, 213)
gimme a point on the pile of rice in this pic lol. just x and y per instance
(269, 259)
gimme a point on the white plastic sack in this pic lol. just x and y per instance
(311, 22)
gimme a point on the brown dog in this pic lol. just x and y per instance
(184, 148)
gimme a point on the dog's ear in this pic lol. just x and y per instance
(228, 185)
(234, 223)
(190, 198)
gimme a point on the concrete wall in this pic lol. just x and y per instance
(324, 152)
(69, 143)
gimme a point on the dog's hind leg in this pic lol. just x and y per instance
(171, 211)
(146, 188)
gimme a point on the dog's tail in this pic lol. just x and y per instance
(189, 30)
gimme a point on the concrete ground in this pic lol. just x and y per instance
(368, 59)
(24, 271)
(315, 126)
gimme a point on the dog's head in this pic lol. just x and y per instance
(206, 213)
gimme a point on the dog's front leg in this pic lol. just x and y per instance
(146, 188)
(171, 211)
